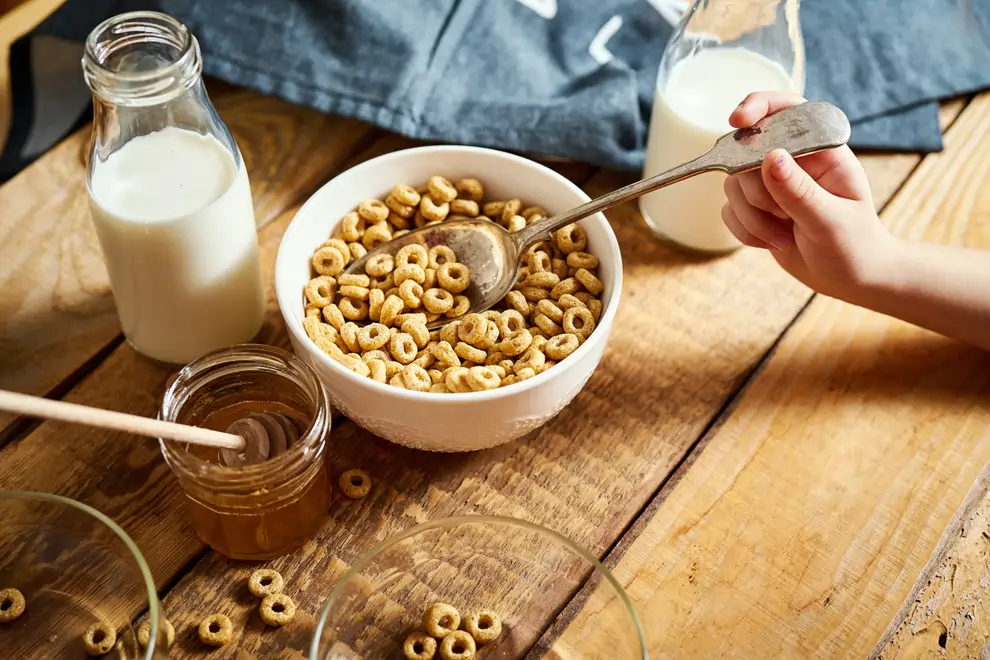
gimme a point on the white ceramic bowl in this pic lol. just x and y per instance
(424, 420)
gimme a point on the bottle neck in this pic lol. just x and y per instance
(141, 59)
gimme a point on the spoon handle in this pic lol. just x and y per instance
(36, 406)
(801, 130)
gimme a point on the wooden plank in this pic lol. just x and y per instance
(799, 529)
(56, 308)
(949, 606)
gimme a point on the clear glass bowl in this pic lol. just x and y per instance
(75, 567)
(526, 573)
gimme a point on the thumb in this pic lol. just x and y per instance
(808, 204)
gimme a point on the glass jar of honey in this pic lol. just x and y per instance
(266, 509)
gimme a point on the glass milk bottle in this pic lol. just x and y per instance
(722, 51)
(169, 193)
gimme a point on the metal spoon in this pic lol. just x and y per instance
(494, 256)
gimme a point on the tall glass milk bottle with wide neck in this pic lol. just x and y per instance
(721, 51)
(169, 193)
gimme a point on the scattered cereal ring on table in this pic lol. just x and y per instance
(277, 610)
(458, 645)
(264, 582)
(12, 604)
(441, 619)
(216, 630)
(144, 633)
(419, 646)
(355, 484)
(484, 626)
(99, 638)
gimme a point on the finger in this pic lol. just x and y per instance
(737, 230)
(838, 171)
(757, 194)
(758, 105)
(760, 224)
(811, 207)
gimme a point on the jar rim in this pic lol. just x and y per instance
(225, 476)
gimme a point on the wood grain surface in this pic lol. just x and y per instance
(56, 307)
(818, 497)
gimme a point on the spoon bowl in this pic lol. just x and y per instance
(494, 255)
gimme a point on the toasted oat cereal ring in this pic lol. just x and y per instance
(590, 282)
(312, 310)
(566, 301)
(349, 335)
(432, 211)
(396, 381)
(444, 353)
(561, 346)
(458, 645)
(355, 280)
(417, 330)
(488, 342)
(439, 388)
(544, 280)
(595, 307)
(516, 223)
(393, 368)
(449, 333)
(572, 238)
(511, 379)
(354, 292)
(400, 209)
(522, 275)
(352, 362)
(538, 261)
(483, 378)
(341, 247)
(502, 373)
(453, 277)
(546, 365)
(328, 261)
(353, 310)
(383, 283)
(441, 189)
(401, 224)
(376, 298)
(419, 646)
(570, 285)
(584, 297)
(430, 281)
(391, 308)
(403, 348)
(409, 272)
(539, 340)
(418, 317)
(455, 378)
(373, 210)
(494, 357)
(517, 301)
(375, 235)
(320, 290)
(265, 581)
(440, 255)
(317, 330)
(468, 352)
(441, 619)
(411, 293)
(484, 626)
(99, 638)
(508, 366)
(372, 337)
(406, 195)
(376, 369)
(12, 604)
(436, 376)
(333, 316)
(524, 373)
(510, 209)
(438, 301)
(582, 260)
(559, 268)
(516, 343)
(380, 265)
(144, 633)
(493, 209)
(412, 254)
(277, 610)
(357, 250)
(579, 321)
(415, 378)
(534, 293)
(551, 310)
(531, 211)
(465, 207)
(375, 354)
(470, 189)
(354, 484)
(533, 359)
(461, 306)
(472, 328)
(352, 227)
(546, 324)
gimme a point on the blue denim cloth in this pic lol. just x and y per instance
(524, 75)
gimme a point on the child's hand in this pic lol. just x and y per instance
(815, 215)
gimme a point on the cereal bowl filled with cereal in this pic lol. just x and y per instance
(482, 379)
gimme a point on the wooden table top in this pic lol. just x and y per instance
(767, 472)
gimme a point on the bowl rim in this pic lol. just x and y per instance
(348, 376)
(455, 521)
(149, 581)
